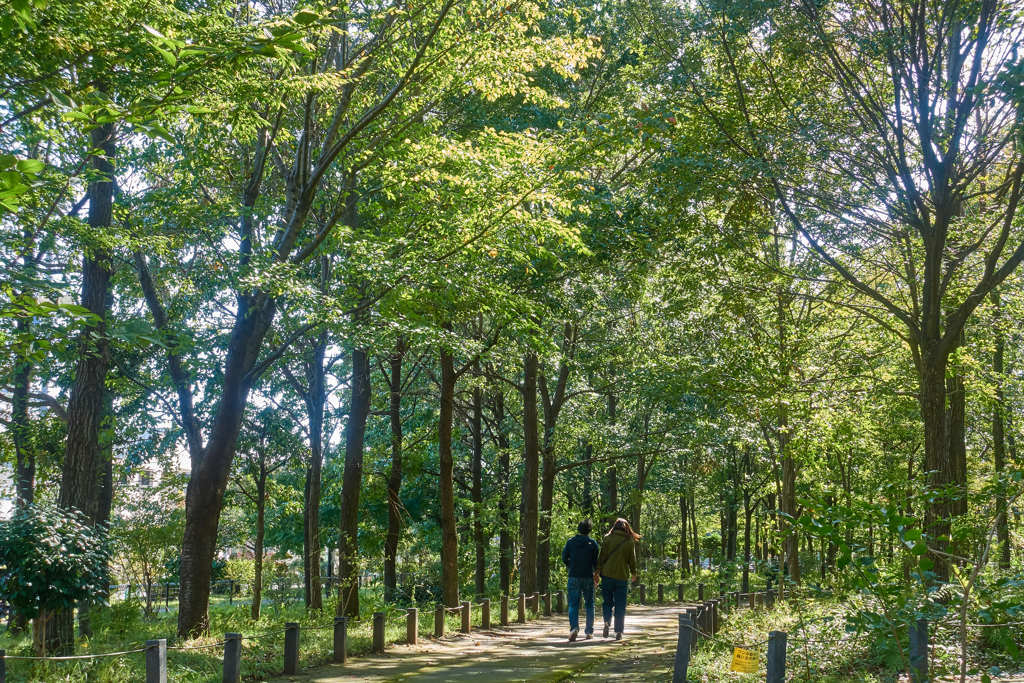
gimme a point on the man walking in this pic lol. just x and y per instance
(580, 556)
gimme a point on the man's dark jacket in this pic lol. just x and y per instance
(580, 556)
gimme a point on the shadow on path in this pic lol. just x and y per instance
(538, 651)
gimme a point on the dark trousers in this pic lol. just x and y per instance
(614, 592)
(581, 586)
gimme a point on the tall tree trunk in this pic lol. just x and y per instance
(759, 545)
(506, 540)
(684, 550)
(956, 434)
(696, 536)
(261, 507)
(611, 484)
(315, 400)
(748, 511)
(792, 539)
(830, 553)
(547, 498)
(552, 403)
(211, 465)
(588, 476)
(999, 438)
(637, 496)
(531, 457)
(395, 475)
(449, 532)
(938, 463)
(476, 488)
(611, 493)
(82, 469)
(104, 504)
(25, 460)
(351, 483)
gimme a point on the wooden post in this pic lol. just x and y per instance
(736, 598)
(340, 639)
(560, 601)
(466, 627)
(776, 668)
(661, 593)
(715, 617)
(231, 591)
(167, 596)
(769, 597)
(919, 651)
(232, 657)
(751, 598)
(485, 614)
(412, 625)
(504, 610)
(682, 649)
(378, 633)
(439, 621)
(535, 606)
(156, 661)
(679, 592)
(692, 613)
(291, 647)
(700, 592)
(547, 604)
(3, 667)
(642, 593)
(521, 609)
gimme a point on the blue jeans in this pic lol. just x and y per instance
(614, 592)
(581, 585)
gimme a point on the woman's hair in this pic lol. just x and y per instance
(623, 525)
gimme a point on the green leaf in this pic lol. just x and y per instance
(167, 55)
(305, 17)
(33, 166)
(152, 31)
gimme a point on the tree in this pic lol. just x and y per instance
(146, 530)
(900, 172)
(50, 560)
(268, 444)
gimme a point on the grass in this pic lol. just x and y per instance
(122, 627)
(820, 649)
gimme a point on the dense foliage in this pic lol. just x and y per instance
(368, 303)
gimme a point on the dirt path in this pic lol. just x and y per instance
(537, 651)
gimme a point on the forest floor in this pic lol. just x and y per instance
(537, 651)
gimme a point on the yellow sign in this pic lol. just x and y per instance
(744, 661)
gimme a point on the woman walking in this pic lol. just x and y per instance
(615, 564)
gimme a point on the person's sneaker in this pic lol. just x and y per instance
(572, 635)
(618, 635)
(589, 636)
(606, 627)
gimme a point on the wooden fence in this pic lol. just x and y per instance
(535, 604)
(698, 623)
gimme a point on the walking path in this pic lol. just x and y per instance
(537, 651)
